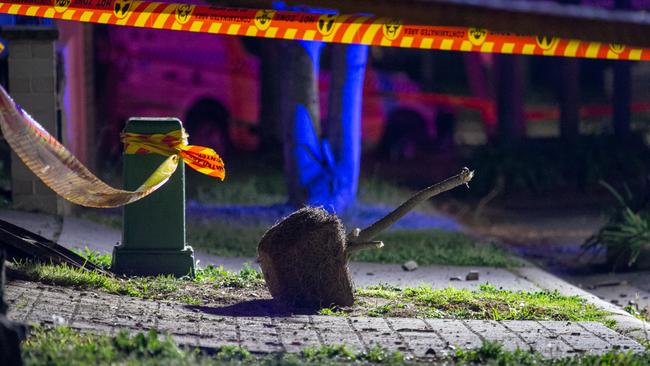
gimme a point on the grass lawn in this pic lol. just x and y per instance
(427, 246)
(239, 238)
(487, 302)
(207, 283)
(64, 346)
(229, 288)
(432, 246)
(260, 182)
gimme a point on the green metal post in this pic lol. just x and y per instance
(153, 238)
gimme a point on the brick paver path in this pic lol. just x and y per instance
(250, 326)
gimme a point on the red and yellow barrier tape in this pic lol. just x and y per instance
(70, 179)
(200, 158)
(356, 29)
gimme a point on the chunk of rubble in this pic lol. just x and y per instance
(472, 276)
(410, 266)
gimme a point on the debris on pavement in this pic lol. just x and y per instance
(472, 276)
(410, 266)
(20, 243)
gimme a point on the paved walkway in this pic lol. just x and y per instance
(250, 325)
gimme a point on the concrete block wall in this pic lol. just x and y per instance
(32, 84)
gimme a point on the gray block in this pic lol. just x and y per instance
(42, 85)
(27, 68)
(455, 333)
(20, 49)
(495, 331)
(20, 85)
(42, 49)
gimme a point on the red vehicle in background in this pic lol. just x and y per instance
(211, 83)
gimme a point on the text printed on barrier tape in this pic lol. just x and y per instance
(340, 28)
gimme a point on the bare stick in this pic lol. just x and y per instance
(357, 240)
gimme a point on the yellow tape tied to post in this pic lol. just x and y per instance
(70, 179)
(200, 158)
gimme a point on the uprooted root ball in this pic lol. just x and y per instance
(304, 260)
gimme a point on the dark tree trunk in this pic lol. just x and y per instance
(568, 93)
(510, 105)
(271, 91)
(476, 76)
(322, 172)
(479, 84)
(301, 117)
(569, 97)
(621, 97)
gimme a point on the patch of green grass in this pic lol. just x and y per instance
(487, 302)
(250, 190)
(101, 260)
(250, 180)
(159, 287)
(383, 310)
(64, 275)
(626, 234)
(433, 246)
(430, 246)
(235, 238)
(327, 352)
(233, 353)
(65, 346)
(333, 311)
(491, 353)
(642, 314)
(645, 343)
(247, 277)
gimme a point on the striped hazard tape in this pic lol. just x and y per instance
(69, 178)
(339, 28)
(200, 158)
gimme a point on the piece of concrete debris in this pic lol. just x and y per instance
(472, 276)
(455, 278)
(410, 266)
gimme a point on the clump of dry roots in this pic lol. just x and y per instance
(304, 257)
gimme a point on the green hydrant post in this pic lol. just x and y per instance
(153, 238)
